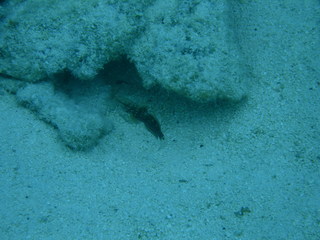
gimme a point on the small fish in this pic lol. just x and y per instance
(142, 114)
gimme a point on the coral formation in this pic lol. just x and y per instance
(184, 46)
(78, 127)
(188, 48)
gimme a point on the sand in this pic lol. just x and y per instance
(224, 171)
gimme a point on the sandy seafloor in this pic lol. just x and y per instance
(245, 171)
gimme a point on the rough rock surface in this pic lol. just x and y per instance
(78, 126)
(185, 46)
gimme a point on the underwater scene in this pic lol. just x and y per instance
(160, 119)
